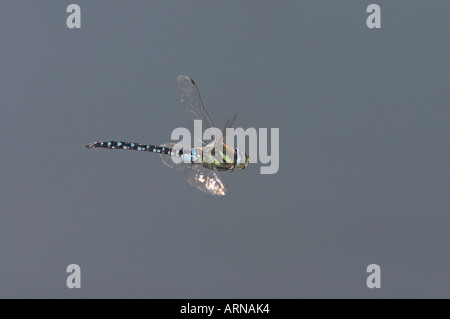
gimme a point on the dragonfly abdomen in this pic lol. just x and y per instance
(118, 145)
(192, 156)
(195, 156)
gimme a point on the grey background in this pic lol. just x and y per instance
(363, 117)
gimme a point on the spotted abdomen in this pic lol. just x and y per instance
(118, 145)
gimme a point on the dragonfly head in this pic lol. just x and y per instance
(242, 159)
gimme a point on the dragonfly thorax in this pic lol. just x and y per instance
(224, 159)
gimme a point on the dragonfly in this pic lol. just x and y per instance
(200, 165)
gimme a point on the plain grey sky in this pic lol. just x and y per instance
(364, 149)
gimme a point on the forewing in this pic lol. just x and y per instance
(192, 104)
(228, 124)
(206, 180)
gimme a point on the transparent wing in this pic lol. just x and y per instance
(228, 124)
(207, 180)
(192, 104)
(169, 160)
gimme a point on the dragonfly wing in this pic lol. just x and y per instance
(207, 180)
(170, 160)
(192, 104)
(228, 124)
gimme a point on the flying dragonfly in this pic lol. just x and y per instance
(199, 165)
